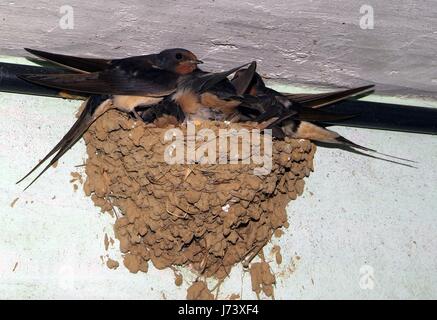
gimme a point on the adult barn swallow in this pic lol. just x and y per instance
(123, 84)
(133, 81)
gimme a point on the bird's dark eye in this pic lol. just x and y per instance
(178, 56)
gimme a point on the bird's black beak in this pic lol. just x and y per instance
(196, 61)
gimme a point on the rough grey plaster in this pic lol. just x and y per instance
(295, 41)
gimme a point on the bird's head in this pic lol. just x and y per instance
(180, 61)
(256, 85)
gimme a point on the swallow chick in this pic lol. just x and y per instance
(211, 96)
(218, 88)
(303, 107)
(165, 113)
(269, 107)
(257, 87)
(292, 115)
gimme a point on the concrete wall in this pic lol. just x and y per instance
(295, 41)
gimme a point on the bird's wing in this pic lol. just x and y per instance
(241, 84)
(315, 115)
(323, 99)
(207, 80)
(78, 64)
(142, 82)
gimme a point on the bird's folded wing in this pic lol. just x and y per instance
(323, 99)
(315, 115)
(77, 64)
(153, 83)
(242, 83)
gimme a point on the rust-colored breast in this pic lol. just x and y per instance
(188, 101)
(210, 100)
(185, 68)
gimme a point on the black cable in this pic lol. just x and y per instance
(9, 82)
(372, 115)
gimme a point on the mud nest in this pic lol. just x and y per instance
(206, 216)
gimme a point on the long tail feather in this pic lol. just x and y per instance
(67, 145)
(369, 155)
(86, 118)
(313, 132)
(343, 140)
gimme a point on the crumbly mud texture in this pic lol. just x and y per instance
(112, 264)
(199, 291)
(205, 216)
(262, 279)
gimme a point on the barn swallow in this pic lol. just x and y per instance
(123, 84)
(133, 81)
(218, 100)
(164, 113)
(176, 109)
(277, 107)
(291, 115)
(99, 103)
(258, 87)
